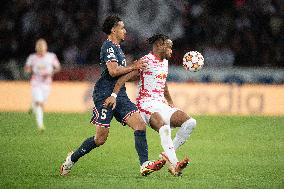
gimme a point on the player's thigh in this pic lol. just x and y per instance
(37, 94)
(156, 113)
(178, 118)
(127, 113)
(101, 116)
(136, 122)
(156, 121)
(144, 112)
(45, 92)
(164, 110)
(101, 135)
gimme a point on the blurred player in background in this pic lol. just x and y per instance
(113, 65)
(155, 103)
(42, 65)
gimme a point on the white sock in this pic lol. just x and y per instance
(184, 132)
(39, 116)
(167, 143)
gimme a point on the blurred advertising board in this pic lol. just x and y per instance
(192, 98)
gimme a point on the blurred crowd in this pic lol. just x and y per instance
(227, 32)
(235, 33)
(70, 28)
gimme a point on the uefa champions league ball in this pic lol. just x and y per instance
(193, 61)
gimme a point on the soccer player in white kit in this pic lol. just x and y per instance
(42, 65)
(156, 105)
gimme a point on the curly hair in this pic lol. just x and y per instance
(157, 37)
(109, 23)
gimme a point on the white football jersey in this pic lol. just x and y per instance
(152, 79)
(42, 67)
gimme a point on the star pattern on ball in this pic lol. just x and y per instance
(195, 65)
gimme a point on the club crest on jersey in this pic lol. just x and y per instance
(110, 50)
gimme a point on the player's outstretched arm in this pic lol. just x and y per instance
(115, 70)
(132, 76)
(111, 101)
(168, 95)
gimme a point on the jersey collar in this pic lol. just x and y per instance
(156, 58)
(113, 43)
(40, 55)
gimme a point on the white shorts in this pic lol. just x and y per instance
(40, 93)
(149, 107)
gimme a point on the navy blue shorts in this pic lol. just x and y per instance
(123, 110)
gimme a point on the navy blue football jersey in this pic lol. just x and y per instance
(104, 86)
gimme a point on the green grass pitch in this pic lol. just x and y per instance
(226, 152)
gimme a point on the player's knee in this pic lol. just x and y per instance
(160, 123)
(100, 141)
(157, 125)
(39, 104)
(156, 121)
(141, 126)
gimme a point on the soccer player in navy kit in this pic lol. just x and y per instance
(113, 66)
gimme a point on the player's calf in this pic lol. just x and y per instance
(184, 132)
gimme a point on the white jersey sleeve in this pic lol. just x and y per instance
(29, 61)
(55, 61)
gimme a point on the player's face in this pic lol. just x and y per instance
(167, 49)
(41, 47)
(120, 31)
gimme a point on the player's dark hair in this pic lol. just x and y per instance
(109, 23)
(157, 37)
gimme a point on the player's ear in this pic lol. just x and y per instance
(113, 30)
(159, 44)
(162, 45)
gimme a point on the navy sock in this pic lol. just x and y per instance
(85, 148)
(141, 145)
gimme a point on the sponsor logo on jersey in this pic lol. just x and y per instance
(162, 75)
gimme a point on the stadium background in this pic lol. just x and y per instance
(242, 42)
